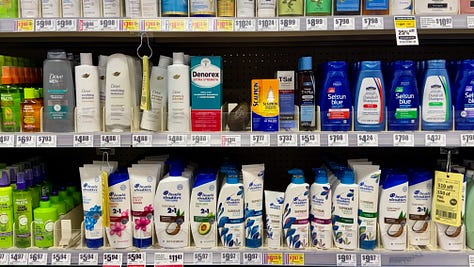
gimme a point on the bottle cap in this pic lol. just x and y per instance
(7, 75)
(57, 54)
(436, 64)
(305, 63)
(28, 177)
(103, 60)
(44, 198)
(164, 61)
(29, 93)
(297, 176)
(86, 58)
(20, 181)
(178, 58)
(4, 180)
(187, 59)
(320, 176)
(347, 177)
(232, 179)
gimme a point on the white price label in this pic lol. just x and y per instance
(89, 259)
(372, 23)
(316, 24)
(202, 258)
(110, 140)
(44, 140)
(136, 259)
(142, 140)
(338, 139)
(7, 140)
(405, 30)
(176, 139)
(470, 22)
(290, 24)
(367, 139)
(434, 139)
(370, 260)
(112, 259)
(346, 260)
(267, 25)
(200, 140)
(169, 259)
(112, 25)
(88, 25)
(471, 260)
(467, 139)
(230, 258)
(24, 140)
(45, 25)
(344, 24)
(37, 258)
(245, 25)
(18, 258)
(3, 259)
(436, 22)
(310, 140)
(259, 140)
(58, 258)
(66, 25)
(252, 258)
(402, 139)
(81, 140)
(231, 140)
(287, 140)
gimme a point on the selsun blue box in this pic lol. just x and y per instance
(206, 93)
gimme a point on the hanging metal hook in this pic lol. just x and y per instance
(144, 35)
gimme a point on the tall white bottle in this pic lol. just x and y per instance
(102, 70)
(88, 110)
(91, 8)
(401, 7)
(230, 213)
(245, 8)
(179, 109)
(320, 211)
(71, 8)
(419, 208)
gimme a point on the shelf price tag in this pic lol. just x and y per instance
(25, 25)
(252, 258)
(136, 259)
(142, 140)
(471, 260)
(230, 258)
(130, 25)
(346, 260)
(152, 25)
(3, 259)
(66, 25)
(88, 259)
(367, 139)
(92, 25)
(245, 25)
(370, 260)
(267, 25)
(447, 193)
(295, 259)
(338, 139)
(46, 140)
(169, 259)
(88, 25)
(176, 139)
(290, 24)
(224, 25)
(310, 140)
(18, 258)
(467, 139)
(435, 139)
(45, 25)
(231, 140)
(405, 30)
(316, 24)
(112, 25)
(200, 25)
(112, 259)
(58, 258)
(287, 140)
(7, 140)
(344, 23)
(176, 25)
(110, 140)
(259, 140)
(470, 22)
(37, 258)
(83, 140)
(273, 259)
(200, 140)
(24, 140)
(436, 22)
(202, 258)
(403, 139)
(372, 23)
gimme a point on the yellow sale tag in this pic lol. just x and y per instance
(274, 259)
(225, 25)
(295, 259)
(152, 25)
(104, 177)
(405, 22)
(130, 25)
(447, 198)
(25, 25)
(200, 25)
(178, 25)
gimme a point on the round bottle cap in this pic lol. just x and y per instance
(4, 180)
(305, 63)
(178, 58)
(231, 179)
(29, 93)
(20, 181)
(86, 58)
(164, 61)
(348, 177)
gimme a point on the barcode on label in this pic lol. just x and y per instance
(446, 214)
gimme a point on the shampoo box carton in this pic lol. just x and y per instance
(264, 105)
(286, 94)
(206, 93)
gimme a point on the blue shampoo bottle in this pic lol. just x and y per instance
(464, 101)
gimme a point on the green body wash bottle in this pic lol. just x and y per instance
(22, 212)
(44, 217)
(6, 211)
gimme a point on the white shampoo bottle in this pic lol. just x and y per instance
(320, 210)
(29, 8)
(50, 8)
(91, 9)
(178, 95)
(230, 213)
(71, 8)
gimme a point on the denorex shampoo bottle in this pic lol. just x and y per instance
(464, 100)
(22, 212)
(403, 100)
(44, 218)
(369, 102)
(6, 212)
(335, 99)
(436, 110)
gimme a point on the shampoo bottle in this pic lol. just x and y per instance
(22, 213)
(119, 233)
(91, 9)
(245, 8)
(230, 212)
(9, 9)
(44, 218)
(436, 7)
(318, 8)
(375, 7)
(29, 8)
(203, 8)
(295, 218)
(320, 214)
(66, 198)
(369, 102)
(306, 94)
(71, 8)
(6, 212)
(401, 7)
(225, 8)
(464, 101)
(57, 203)
(419, 208)
(10, 101)
(88, 110)
(436, 108)
(203, 209)
(174, 8)
(266, 8)
(30, 111)
(346, 7)
(179, 109)
(290, 8)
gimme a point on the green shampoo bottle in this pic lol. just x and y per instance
(64, 196)
(44, 217)
(6, 211)
(57, 203)
(35, 193)
(22, 212)
(76, 196)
